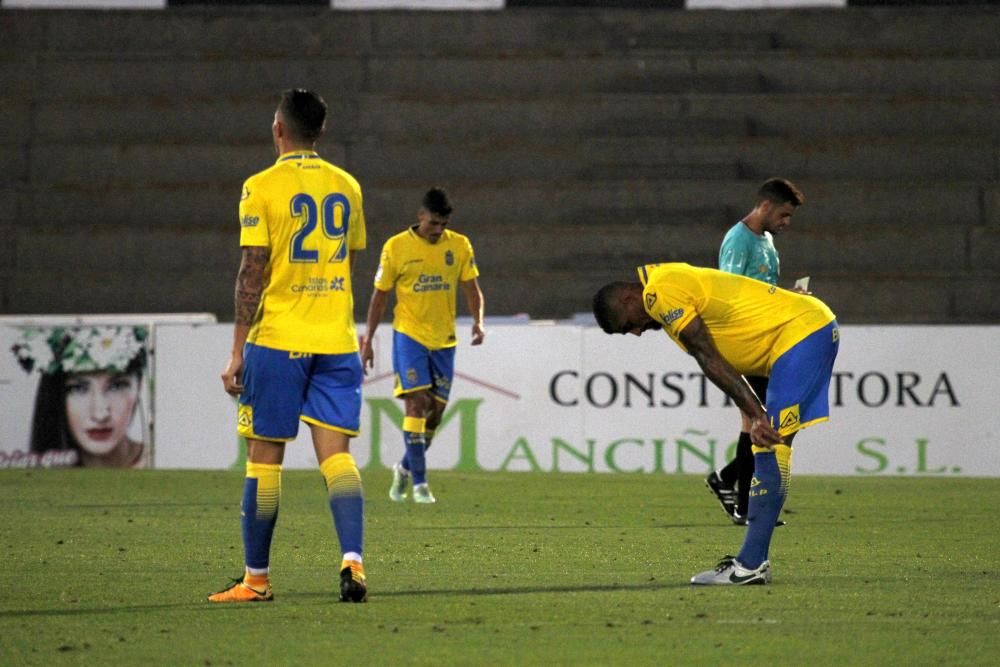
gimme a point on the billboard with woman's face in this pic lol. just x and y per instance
(74, 396)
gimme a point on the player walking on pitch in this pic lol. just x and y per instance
(425, 265)
(295, 350)
(735, 326)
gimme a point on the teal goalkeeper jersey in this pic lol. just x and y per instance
(746, 254)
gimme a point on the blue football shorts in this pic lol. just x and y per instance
(417, 367)
(798, 387)
(282, 387)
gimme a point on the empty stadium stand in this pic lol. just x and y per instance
(577, 143)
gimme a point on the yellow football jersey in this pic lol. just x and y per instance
(309, 213)
(752, 323)
(426, 277)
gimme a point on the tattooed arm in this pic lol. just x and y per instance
(249, 288)
(700, 345)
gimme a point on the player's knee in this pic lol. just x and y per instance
(418, 403)
(435, 411)
(433, 419)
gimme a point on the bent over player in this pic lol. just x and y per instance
(735, 326)
(295, 350)
(425, 265)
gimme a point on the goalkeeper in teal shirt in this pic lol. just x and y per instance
(748, 250)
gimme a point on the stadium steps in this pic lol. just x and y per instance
(577, 143)
(559, 159)
(408, 118)
(612, 228)
(89, 76)
(965, 30)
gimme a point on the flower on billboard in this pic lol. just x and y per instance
(50, 350)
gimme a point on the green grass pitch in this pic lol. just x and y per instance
(112, 568)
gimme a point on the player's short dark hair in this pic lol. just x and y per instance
(304, 113)
(780, 191)
(437, 202)
(603, 301)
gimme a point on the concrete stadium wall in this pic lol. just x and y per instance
(577, 143)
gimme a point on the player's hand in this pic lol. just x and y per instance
(232, 375)
(367, 354)
(478, 334)
(763, 434)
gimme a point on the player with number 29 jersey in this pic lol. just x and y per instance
(309, 213)
(294, 357)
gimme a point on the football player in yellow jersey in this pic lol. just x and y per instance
(734, 326)
(295, 351)
(426, 265)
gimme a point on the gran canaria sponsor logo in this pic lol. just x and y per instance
(431, 283)
(320, 285)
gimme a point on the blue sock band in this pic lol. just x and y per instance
(404, 462)
(347, 503)
(348, 520)
(415, 461)
(767, 496)
(261, 493)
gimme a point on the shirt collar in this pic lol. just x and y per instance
(298, 155)
(645, 270)
(413, 232)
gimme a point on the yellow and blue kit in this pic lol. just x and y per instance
(309, 213)
(759, 329)
(426, 278)
(301, 358)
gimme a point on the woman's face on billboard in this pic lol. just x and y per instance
(99, 408)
